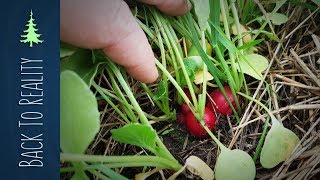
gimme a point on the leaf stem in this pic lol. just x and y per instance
(236, 19)
(204, 83)
(98, 88)
(122, 161)
(138, 109)
(116, 88)
(180, 60)
(157, 22)
(216, 140)
(164, 63)
(98, 174)
(157, 102)
(180, 91)
(232, 57)
(273, 118)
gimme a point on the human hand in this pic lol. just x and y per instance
(110, 26)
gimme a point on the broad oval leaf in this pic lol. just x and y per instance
(253, 65)
(278, 18)
(279, 144)
(136, 134)
(82, 63)
(202, 10)
(79, 115)
(234, 165)
(275, 18)
(66, 50)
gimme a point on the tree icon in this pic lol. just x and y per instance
(31, 36)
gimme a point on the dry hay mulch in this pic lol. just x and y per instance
(294, 77)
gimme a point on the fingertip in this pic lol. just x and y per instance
(134, 53)
(136, 58)
(144, 73)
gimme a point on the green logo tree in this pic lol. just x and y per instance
(31, 36)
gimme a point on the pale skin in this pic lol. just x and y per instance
(110, 26)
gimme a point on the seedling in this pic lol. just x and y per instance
(279, 143)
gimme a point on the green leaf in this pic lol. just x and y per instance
(202, 10)
(279, 4)
(192, 51)
(216, 72)
(306, 4)
(109, 172)
(275, 18)
(81, 62)
(66, 50)
(223, 39)
(98, 56)
(250, 44)
(215, 21)
(161, 92)
(317, 2)
(192, 64)
(268, 34)
(136, 134)
(81, 175)
(234, 165)
(279, 144)
(167, 131)
(253, 65)
(79, 115)
(278, 18)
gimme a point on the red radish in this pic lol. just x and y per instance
(171, 172)
(183, 111)
(184, 108)
(220, 104)
(182, 118)
(195, 128)
(187, 92)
